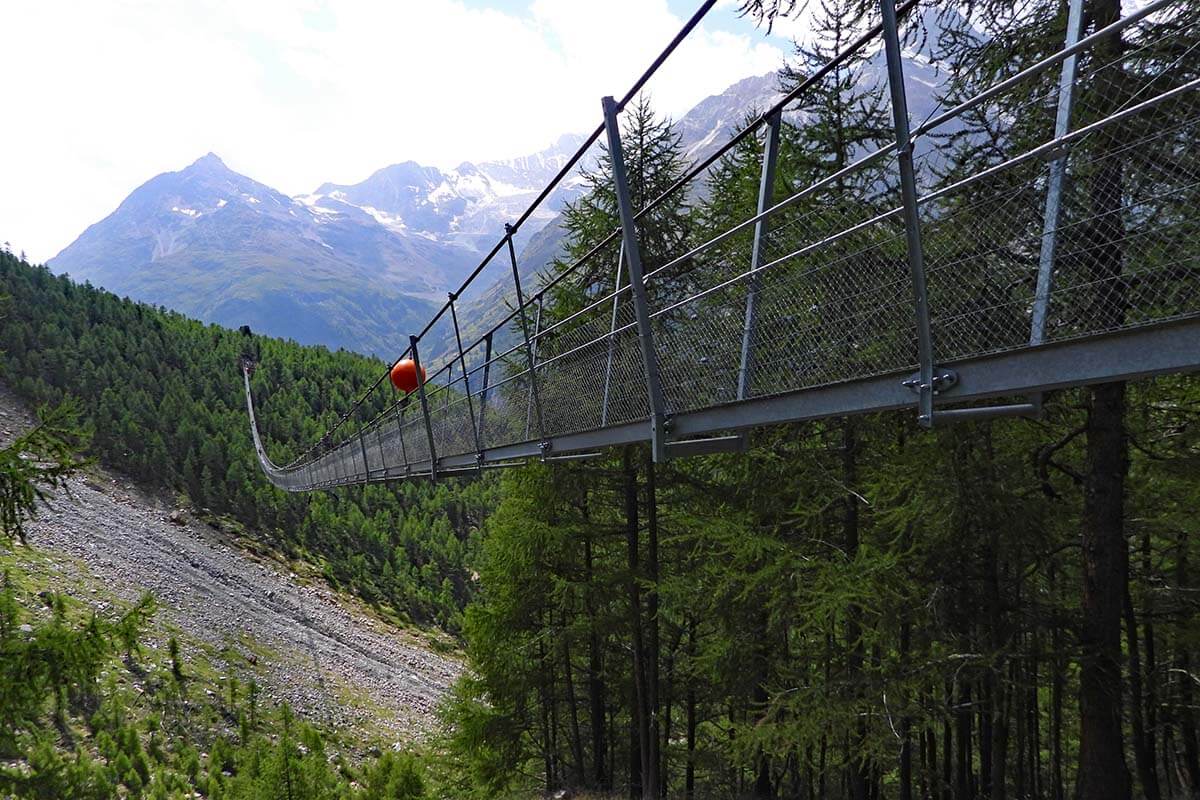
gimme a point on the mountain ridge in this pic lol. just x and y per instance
(362, 265)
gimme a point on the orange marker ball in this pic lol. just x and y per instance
(404, 375)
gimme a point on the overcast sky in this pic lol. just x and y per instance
(103, 95)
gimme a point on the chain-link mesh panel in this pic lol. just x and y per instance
(1123, 241)
(1129, 236)
(820, 290)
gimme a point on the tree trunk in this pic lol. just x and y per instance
(930, 780)
(639, 716)
(1187, 720)
(964, 788)
(668, 700)
(635, 749)
(1022, 786)
(988, 711)
(1150, 675)
(652, 785)
(762, 776)
(1103, 774)
(998, 773)
(860, 773)
(552, 696)
(822, 762)
(577, 766)
(1141, 752)
(947, 745)
(547, 748)
(1057, 690)
(1102, 771)
(1034, 716)
(595, 677)
(689, 777)
(905, 721)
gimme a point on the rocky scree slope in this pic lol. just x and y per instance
(325, 654)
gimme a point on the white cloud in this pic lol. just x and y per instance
(102, 96)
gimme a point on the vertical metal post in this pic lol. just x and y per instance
(659, 416)
(483, 395)
(462, 360)
(537, 329)
(912, 219)
(383, 465)
(424, 408)
(766, 188)
(533, 386)
(400, 431)
(612, 339)
(1058, 172)
(366, 465)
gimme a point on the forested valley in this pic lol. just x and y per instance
(853, 608)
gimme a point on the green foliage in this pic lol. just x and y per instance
(145, 744)
(395, 776)
(176, 666)
(38, 460)
(849, 595)
(163, 396)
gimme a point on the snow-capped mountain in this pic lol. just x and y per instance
(466, 206)
(363, 265)
(714, 119)
(222, 247)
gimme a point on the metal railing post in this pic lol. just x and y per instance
(462, 360)
(612, 339)
(533, 386)
(424, 408)
(537, 328)
(659, 415)
(366, 464)
(400, 430)
(1058, 172)
(925, 384)
(483, 395)
(383, 465)
(766, 190)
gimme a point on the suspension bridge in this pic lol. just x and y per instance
(1067, 254)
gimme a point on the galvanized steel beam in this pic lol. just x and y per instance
(912, 216)
(659, 415)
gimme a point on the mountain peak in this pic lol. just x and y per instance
(209, 160)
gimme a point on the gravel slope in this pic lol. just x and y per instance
(329, 657)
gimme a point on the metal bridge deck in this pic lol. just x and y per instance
(1067, 254)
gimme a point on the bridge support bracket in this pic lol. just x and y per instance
(943, 380)
(682, 448)
(948, 416)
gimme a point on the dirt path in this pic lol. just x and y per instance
(328, 656)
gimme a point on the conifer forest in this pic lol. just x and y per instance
(853, 608)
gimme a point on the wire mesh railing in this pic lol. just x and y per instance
(1049, 202)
